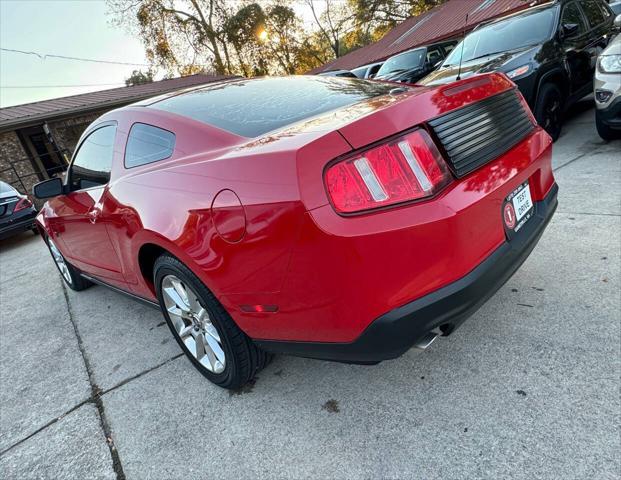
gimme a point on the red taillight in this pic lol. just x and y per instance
(401, 170)
(23, 203)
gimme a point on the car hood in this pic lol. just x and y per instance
(498, 62)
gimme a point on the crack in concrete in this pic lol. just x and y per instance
(592, 214)
(48, 424)
(88, 401)
(138, 375)
(95, 393)
(582, 155)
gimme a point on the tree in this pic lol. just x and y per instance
(138, 77)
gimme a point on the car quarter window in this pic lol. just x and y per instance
(573, 16)
(92, 163)
(593, 12)
(148, 144)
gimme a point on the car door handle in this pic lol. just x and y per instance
(93, 215)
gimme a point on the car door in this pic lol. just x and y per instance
(82, 210)
(575, 45)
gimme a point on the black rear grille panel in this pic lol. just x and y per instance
(474, 135)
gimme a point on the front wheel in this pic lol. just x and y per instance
(70, 274)
(549, 110)
(203, 329)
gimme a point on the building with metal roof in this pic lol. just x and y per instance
(37, 139)
(440, 23)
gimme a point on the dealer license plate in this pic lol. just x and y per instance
(517, 208)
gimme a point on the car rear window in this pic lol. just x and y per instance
(251, 108)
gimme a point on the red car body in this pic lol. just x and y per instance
(252, 218)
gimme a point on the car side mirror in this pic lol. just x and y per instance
(569, 30)
(48, 188)
(617, 22)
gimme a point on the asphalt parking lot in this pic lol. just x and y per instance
(92, 385)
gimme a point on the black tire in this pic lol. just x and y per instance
(73, 279)
(604, 130)
(243, 358)
(549, 110)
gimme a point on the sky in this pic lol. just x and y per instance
(76, 28)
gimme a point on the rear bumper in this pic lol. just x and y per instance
(18, 225)
(392, 334)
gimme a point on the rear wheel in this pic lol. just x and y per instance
(549, 110)
(203, 329)
(604, 130)
(70, 274)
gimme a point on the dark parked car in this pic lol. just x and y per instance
(411, 66)
(338, 73)
(367, 71)
(549, 51)
(17, 214)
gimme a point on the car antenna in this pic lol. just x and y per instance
(463, 44)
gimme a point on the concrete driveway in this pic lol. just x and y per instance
(92, 385)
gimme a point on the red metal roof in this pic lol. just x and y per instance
(29, 113)
(440, 23)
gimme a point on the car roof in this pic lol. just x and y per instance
(253, 107)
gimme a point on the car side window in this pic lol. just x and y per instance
(593, 12)
(148, 144)
(573, 16)
(92, 163)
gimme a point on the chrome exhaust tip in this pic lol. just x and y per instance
(426, 340)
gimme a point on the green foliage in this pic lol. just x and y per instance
(138, 77)
(259, 37)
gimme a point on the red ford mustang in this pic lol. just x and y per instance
(331, 218)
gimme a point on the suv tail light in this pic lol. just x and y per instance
(23, 203)
(407, 168)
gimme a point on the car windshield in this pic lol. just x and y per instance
(510, 34)
(404, 61)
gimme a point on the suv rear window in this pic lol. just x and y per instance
(254, 107)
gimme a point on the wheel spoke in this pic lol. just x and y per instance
(181, 291)
(176, 299)
(200, 346)
(211, 331)
(185, 331)
(215, 348)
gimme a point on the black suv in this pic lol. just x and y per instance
(411, 66)
(549, 51)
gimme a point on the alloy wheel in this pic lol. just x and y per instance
(192, 324)
(60, 261)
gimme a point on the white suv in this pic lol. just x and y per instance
(608, 90)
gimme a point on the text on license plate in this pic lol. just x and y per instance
(518, 207)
